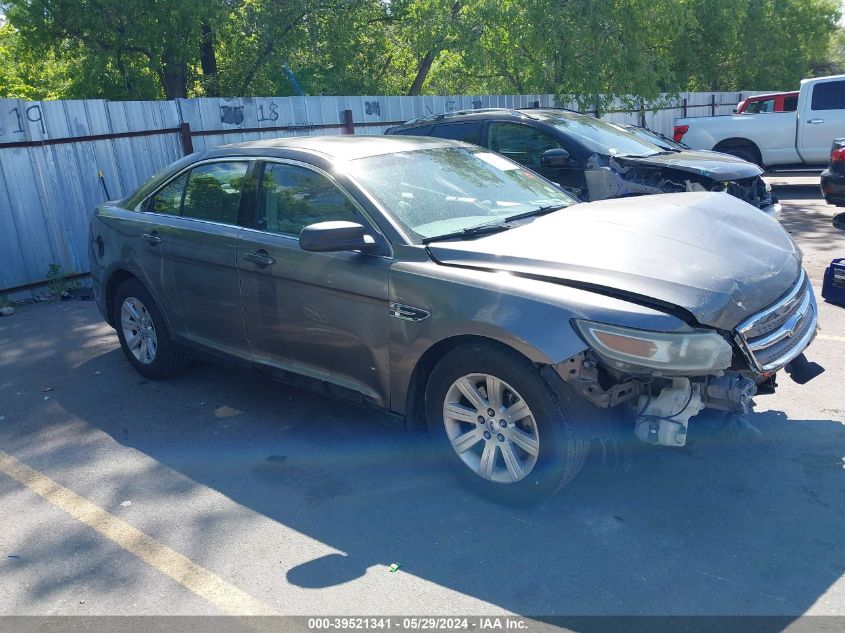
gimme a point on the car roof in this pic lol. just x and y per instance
(336, 147)
(769, 95)
(524, 114)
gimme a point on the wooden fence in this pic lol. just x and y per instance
(59, 159)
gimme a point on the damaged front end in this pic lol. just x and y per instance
(621, 176)
(660, 380)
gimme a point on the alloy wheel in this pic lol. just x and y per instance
(491, 428)
(139, 331)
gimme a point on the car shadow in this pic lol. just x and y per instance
(736, 523)
(811, 225)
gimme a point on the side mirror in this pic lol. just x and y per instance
(554, 158)
(336, 236)
(839, 221)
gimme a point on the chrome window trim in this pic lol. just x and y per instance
(229, 159)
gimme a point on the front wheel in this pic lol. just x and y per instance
(495, 419)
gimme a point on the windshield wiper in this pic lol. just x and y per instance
(536, 212)
(471, 231)
(495, 226)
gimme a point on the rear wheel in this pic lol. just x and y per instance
(503, 429)
(143, 333)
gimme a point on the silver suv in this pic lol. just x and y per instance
(452, 287)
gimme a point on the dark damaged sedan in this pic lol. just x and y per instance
(454, 288)
(597, 160)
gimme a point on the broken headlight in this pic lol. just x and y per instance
(622, 347)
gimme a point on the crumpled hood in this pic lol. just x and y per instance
(709, 164)
(708, 253)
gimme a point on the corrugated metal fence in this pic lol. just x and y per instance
(58, 159)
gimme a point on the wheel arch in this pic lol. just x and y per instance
(736, 142)
(117, 278)
(415, 398)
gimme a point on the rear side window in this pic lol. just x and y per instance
(293, 197)
(790, 104)
(469, 132)
(829, 95)
(169, 198)
(214, 192)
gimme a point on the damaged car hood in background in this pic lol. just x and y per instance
(709, 164)
(702, 252)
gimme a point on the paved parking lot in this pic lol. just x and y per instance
(221, 492)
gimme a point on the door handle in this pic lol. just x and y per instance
(815, 121)
(260, 258)
(153, 238)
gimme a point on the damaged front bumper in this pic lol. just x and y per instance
(661, 403)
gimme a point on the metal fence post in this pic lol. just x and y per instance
(712, 105)
(642, 112)
(348, 124)
(187, 143)
(684, 106)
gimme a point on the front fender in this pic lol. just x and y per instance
(531, 316)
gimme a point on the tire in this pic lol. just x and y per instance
(745, 153)
(541, 450)
(149, 347)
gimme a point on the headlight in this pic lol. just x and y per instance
(701, 350)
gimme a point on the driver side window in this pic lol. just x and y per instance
(293, 197)
(521, 143)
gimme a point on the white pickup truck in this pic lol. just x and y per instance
(781, 140)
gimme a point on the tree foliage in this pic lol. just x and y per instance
(142, 49)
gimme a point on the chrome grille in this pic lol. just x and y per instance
(773, 337)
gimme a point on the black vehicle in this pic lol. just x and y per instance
(593, 159)
(833, 178)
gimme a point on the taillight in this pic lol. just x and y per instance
(680, 130)
(837, 155)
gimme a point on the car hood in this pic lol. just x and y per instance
(709, 164)
(709, 254)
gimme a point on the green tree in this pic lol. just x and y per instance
(132, 37)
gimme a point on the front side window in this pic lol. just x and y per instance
(759, 107)
(829, 95)
(790, 104)
(521, 143)
(293, 197)
(435, 191)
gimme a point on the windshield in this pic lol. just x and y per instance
(653, 137)
(437, 191)
(601, 137)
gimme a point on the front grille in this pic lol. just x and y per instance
(773, 337)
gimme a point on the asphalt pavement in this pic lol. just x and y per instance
(221, 492)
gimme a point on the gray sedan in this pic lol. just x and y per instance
(454, 288)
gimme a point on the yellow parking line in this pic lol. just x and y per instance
(168, 561)
(831, 337)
